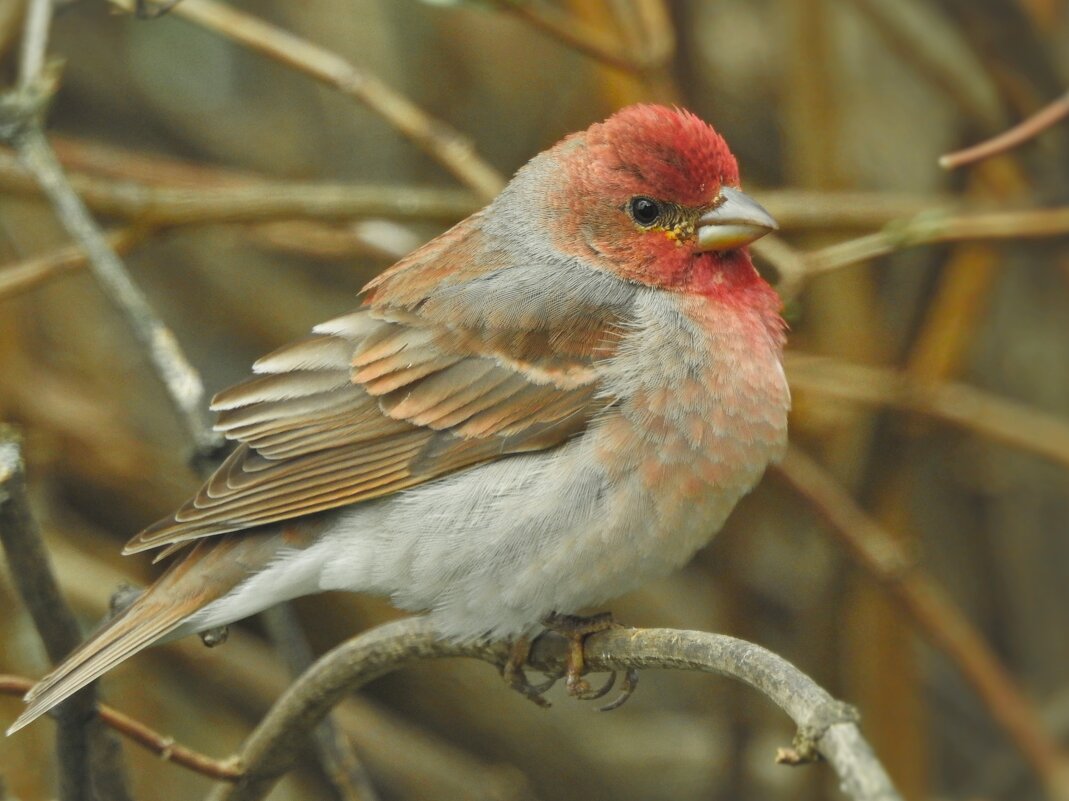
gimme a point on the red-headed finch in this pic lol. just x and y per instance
(558, 399)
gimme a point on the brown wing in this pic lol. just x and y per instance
(366, 407)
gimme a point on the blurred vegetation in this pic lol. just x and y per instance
(838, 111)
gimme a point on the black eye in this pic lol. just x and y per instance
(644, 210)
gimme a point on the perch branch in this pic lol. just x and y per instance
(88, 758)
(442, 142)
(825, 725)
(164, 747)
(935, 615)
(1043, 119)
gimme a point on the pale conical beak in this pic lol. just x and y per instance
(736, 221)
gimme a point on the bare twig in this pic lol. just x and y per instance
(178, 375)
(1000, 419)
(1043, 119)
(166, 748)
(572, 32)
(452, 150)
(226, 201)
(935, 227)
(826, 725)
(336, 754)
(89, 759)
(934, 614)
(32, 272)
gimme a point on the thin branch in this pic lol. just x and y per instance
(228, 770)
(934, 614)
(336, 754)
(825, 725)
(1003, 420)
(575, 34)
(178, 375)
(35, 27)
(251, 202)
(444, 143)
(1051, 114)
(89, 759)
(30, 273)
(932, 228)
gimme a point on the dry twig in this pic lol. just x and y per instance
(1043, 119)
(89, 759)
(452, 150)
(166, 748)
(34, 271)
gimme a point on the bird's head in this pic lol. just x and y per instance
(653, 195)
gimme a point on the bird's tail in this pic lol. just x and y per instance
(132, 630)
(211, 569)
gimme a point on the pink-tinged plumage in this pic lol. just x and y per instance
(540, 409)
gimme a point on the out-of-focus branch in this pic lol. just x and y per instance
(1000, 419)
(935, 227)
(445, 144)
(89, 759)
(32, 272)
(936, 52)
(1043, 119)
(164, 747)
(228, 202)
(826, 727)
(575, 34)
(926, 228)
(336, 754)
(934, 614)
(21, 114)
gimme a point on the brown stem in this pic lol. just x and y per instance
(1043, 119)
(227, 770)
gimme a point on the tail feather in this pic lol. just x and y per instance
(132, 631)
(210, 570)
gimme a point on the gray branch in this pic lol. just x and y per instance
(90, 759)
(827, 727)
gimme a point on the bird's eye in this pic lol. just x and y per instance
(644, 210)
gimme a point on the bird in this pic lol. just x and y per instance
(555, 401)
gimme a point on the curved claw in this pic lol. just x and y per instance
(626, 691)
(513, 673)
(601, 692)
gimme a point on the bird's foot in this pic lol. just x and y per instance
(513, 674)
(576, 629)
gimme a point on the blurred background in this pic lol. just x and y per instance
(939, 408)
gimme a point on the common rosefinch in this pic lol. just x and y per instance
(561, 397)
